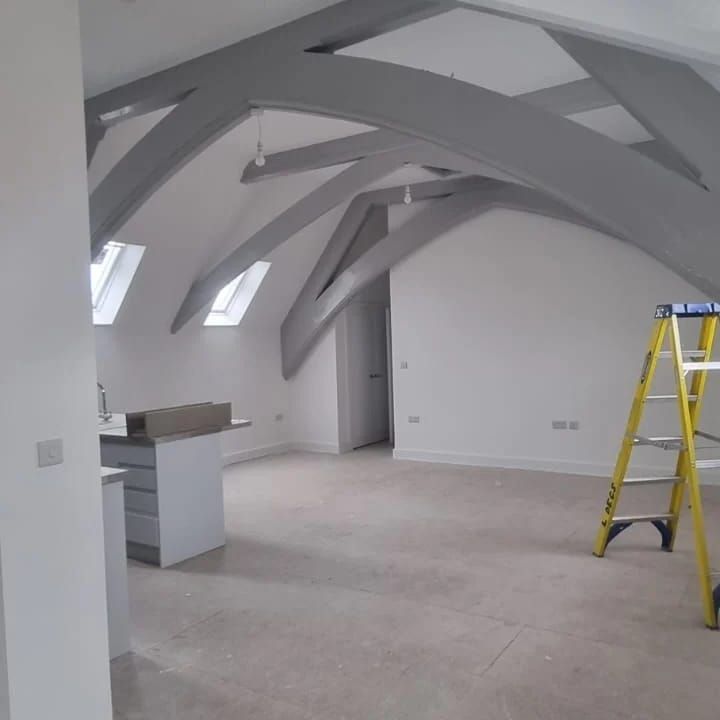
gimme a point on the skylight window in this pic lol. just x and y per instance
(226, 296)
(102, 271)
(110, 276)
(234, 299)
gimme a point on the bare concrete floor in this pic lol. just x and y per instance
(364, 588)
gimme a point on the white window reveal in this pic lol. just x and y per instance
(110, 276)
(234, 299)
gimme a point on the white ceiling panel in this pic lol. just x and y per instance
(502, 55)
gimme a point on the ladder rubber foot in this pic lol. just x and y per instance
(661, 526)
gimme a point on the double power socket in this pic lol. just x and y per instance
(565, 424)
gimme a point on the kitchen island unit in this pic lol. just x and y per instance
(173, 490)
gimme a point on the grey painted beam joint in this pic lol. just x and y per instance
(678, 107)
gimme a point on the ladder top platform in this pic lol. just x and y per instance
(687, 310)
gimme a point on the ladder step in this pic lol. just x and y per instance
(686, 353)
(693, 366)
(666, 443)
(664, 398)
(674, 480)
(707, 464)
(641, 518)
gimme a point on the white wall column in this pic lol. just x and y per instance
(51, 534)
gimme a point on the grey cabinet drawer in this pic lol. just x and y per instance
(124, 455)
(146, 502)
(142, 528)
(140, 478)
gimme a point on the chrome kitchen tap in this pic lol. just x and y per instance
(104, 414)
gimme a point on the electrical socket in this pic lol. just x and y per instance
(559, 424)
(403, 365)
(574, 425)
(413, 418)
(279, 417)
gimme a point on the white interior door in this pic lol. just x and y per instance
(367, 374)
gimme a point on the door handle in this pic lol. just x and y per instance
(375, 375)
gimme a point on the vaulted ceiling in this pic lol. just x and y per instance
(204, 212)
(126, 39)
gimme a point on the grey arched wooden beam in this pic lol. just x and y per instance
(669, 98)
(195, 123)
(354, 218)
(662, 213)
(203, 115)
(309, 317)
(313, 206)
(288, 223)
(335, 26)
(355, 147)
(534, 151)
(566, 99)
(659, 211)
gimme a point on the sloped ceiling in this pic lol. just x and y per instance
(126, 39)
(204, 210)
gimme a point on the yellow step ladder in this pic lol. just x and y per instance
(697, 363)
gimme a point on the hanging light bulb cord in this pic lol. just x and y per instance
(260, 156)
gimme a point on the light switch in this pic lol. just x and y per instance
(50, 452)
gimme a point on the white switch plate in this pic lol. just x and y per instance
(50, 452)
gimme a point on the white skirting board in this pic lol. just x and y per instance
(257, 452)
(279, 449)
(327, 448)
(567, 467)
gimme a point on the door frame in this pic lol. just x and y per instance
(342, 356)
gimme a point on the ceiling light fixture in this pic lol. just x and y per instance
(260, 155)
(407, 198)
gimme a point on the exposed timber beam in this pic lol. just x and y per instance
(677, 106)
(295, 218)
(327, 154)
(440, 171)
(661, 212)
(354, 218)
(354, 147)
(570, 98)
(310, 316)
(187, 130)
(334, 26)
(566, 99)
(404, 15)
(343, 150)
(668, 158)
(679, 31)
(317, 203)
(656, 209)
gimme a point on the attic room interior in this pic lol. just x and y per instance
(358, 359)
